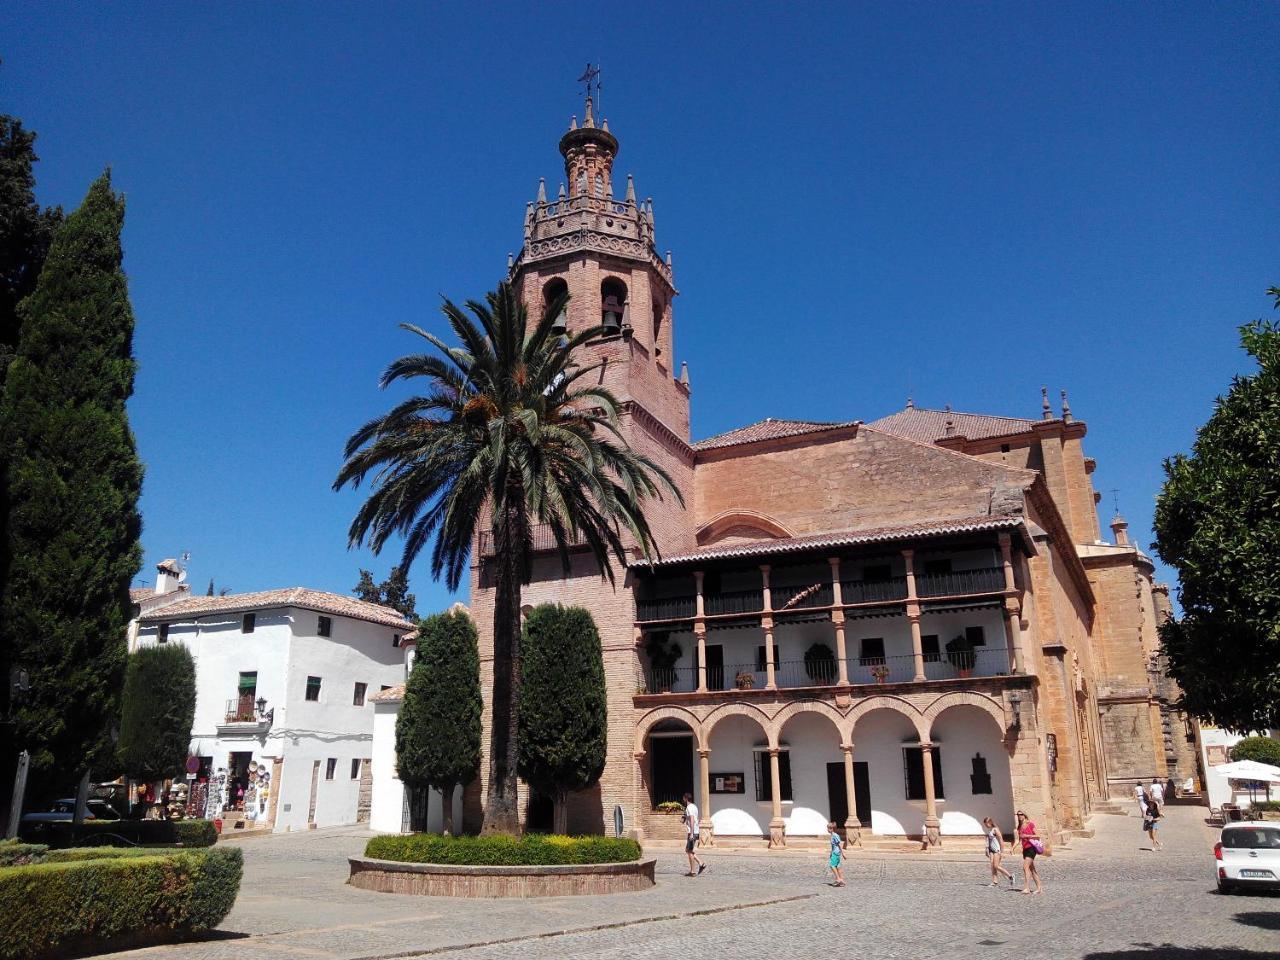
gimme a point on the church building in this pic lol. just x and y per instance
(904, 625)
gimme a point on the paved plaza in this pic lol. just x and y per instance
(1105, 899)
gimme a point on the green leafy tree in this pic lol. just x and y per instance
(393, 592)
(157, 711)
(438, 729)
(508, 433)
(564, 711)
(1218, 523)
(1258, 749)
(73, 477)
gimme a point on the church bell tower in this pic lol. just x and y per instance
(602, 251)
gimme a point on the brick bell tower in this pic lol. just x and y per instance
(602, 251)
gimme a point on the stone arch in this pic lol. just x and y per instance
(656, 716)
(964, 698)
(897, 705)
(741, 710)
(720, 524)
(843, 728)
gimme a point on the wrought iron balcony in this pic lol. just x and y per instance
(960, 582)
(544, 541)
(737, 601)
(873, 591)
(667, 608)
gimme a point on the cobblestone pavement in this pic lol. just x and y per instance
(1105, 899)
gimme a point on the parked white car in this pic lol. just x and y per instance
(1248, 855)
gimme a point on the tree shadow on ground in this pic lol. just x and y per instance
(1267, 921)
(1167, 951)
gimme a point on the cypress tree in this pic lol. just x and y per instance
(438, 729)
(564, 707)
(158, 709)
(73, 478)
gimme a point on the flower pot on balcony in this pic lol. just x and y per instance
(744, 681)
(964, 672)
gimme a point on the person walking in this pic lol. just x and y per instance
(1151, 823)
(696, 866)
(837, 853)
(1032, 847)
(995, 844)
(1156, 791)
(1141, 795)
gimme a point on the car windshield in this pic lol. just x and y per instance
(1251, 838)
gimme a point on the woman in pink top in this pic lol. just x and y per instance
(1031, 847)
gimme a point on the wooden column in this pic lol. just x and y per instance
(766, 623)
(700, 631)
(777, 826)
(852, 824)
(932, 825)
(705, 836)
(837, 618)
(913, 615)
(1012, 611)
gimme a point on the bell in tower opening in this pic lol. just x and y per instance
(613, 310)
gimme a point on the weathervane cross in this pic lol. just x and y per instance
(591, 76)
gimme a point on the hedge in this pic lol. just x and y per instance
(122, 833)
(113, 899)
(502, 850)
(14, 853)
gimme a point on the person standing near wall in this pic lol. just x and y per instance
(995, 844)
(1032, 847)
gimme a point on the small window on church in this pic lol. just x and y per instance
(613, 304)
(553, 290)
(580, 184)
(658, 311)
(600, 185)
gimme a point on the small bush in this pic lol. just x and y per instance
(1258, 805)
(14, 853)
(85, 899)
(670, 806)
(195, 833)
(502, 850)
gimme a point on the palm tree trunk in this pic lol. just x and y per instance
(501, 809)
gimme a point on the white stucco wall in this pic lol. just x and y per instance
(961, 732)
(284, 649)
(388, 792)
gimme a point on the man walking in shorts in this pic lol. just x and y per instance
(696, 866)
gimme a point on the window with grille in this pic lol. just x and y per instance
(330, 768)
(929, 646)
(313, 689)
(248, 622)
(355, 768)
(325, 627)
(162, 633)
(358, 699)
(872, 651)
(977, 636)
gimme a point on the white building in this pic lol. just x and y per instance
(284, 680)
(171, 586)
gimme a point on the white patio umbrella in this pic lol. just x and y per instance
(1250, 770)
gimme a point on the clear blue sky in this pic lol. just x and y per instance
(962, 201)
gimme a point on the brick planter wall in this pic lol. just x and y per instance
(447, 880)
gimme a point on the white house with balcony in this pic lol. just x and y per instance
(284, 715)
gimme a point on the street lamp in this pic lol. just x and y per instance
(1015, 704)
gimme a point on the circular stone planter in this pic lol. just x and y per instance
(450, 880)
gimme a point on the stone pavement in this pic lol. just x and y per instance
(1105, 899)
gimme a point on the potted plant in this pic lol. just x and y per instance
(820, 663)
(670, 807)
(880, 672)
(663, 655)
(960, 655)
(744, 680)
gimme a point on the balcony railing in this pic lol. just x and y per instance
(738, 601)
(862, 671)
(241, 710)
(986, 580)
(667, 608)
(544, 540)
(873, 591)
(800, 597)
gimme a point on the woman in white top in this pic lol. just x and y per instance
(995, 843)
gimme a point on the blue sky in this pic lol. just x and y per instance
(961, 201)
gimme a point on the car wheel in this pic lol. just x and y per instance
(1225, 888)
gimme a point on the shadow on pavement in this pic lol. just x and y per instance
(1167, 951)
(1267, 921)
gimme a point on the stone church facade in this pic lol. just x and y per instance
(904, 625)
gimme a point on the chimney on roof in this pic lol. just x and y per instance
(1120, 528)
(168, 576)
(1046, 411)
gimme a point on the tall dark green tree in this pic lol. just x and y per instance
(393, 592)
(510, 432)
(158, 709)
(1218, 523)
(73, 478)
(564, 716)
(438, 729)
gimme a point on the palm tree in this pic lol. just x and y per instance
(509, 432)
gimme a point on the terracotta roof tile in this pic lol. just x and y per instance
(929, 426)
(390, 695)
(768, 429)
(302, 597)
(846, 538)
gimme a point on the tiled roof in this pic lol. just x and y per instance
(768, 429)
(929, 426)
(389, 695)
(317, 600)
(847, 538)
(138, 594)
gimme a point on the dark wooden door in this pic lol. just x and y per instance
(670, 768)
(715, 666)
(837, 794)
(863, 794)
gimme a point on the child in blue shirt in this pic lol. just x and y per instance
(837, 845)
